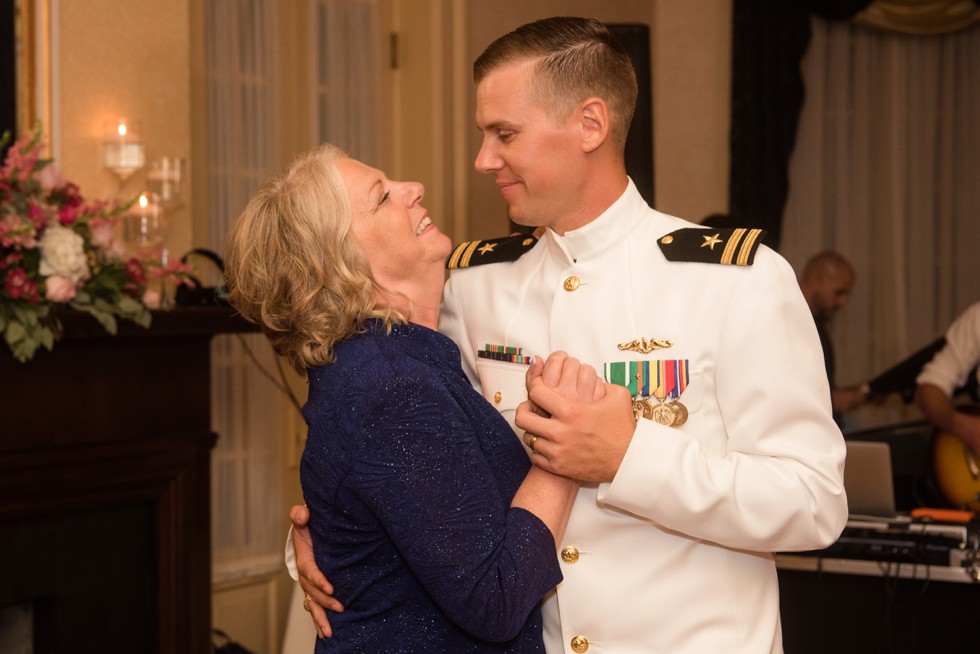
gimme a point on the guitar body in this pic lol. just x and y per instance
(957, 471)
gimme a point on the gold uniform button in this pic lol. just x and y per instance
(569, 554)
(497, 397)
(572, 283)
(580, 644)
(667, 240)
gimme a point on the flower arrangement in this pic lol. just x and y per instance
(58, 250)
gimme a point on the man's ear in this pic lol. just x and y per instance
(594, 122)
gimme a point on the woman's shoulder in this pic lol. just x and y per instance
(375, 358)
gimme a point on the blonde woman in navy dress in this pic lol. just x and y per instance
(438, 533)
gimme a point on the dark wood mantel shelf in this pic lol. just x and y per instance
(105, 482)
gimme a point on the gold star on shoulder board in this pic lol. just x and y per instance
(487, 247)
(711, 241)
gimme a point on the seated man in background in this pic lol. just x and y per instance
(826, 282)
(948, 370)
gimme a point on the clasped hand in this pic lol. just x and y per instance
(582, 428)
(579, 426)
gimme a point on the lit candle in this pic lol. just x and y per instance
(122, 149)
(144, 227)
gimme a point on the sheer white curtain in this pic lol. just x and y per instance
(255, 421)
(249, 414)
(886, 170)
(348, 83)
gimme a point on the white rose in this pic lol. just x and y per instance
(63, 254)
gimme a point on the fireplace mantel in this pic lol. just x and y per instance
(104, 484)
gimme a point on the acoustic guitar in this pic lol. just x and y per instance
(957, 470)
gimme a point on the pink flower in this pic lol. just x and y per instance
(134, 268)
(59, 289)
(102, 233)
(173, 271)
(50, 178)
(21, 157)
(151, 298)
(18, 286)
(11, 259)
(67, 215)
(36, 215)
(15, 232)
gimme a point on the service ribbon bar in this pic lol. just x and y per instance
(615, 373)
(634, 375)
(640, 373)
(663, 378)
(682, 377)
(504, 353)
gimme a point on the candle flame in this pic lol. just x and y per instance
(121, 129)
(144, 202)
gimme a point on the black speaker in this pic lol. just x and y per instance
(635, 38)
(197, 294)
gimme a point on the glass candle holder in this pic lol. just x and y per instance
(122, 148)
(165, 177)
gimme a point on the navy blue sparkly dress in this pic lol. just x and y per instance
(409, 474)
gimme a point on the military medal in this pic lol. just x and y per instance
(680, 413)
(642, 409)
(653, 379)
(663, 414)
(674, 377)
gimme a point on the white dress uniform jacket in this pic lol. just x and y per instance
(675, 555)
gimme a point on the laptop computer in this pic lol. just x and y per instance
(868, 480)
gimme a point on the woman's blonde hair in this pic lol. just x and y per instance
(294, 268)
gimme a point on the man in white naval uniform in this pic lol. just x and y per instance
(669, 545)
(669, 548)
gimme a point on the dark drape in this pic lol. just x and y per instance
(8, 71)
(769, 40)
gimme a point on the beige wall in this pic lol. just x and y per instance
(692, 46)
(121, 58)
(136, 61)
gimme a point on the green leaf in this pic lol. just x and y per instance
(143, 318)
(129, 305)
(107, 320)
(47, 338)
(24, 349)
(15, 332)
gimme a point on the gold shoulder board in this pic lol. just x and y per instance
(494, 250)
(727, 246)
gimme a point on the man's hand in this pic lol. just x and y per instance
(312, 581)
(967, 427)
(580, 427)
(940, 411)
